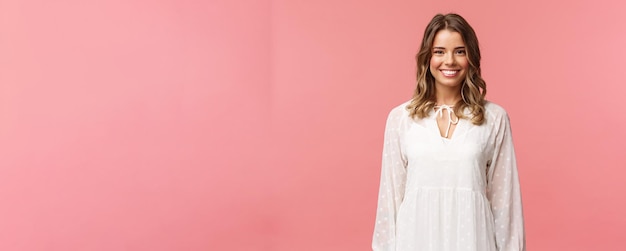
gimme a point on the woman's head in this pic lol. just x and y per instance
(462, 67)
(448, 61)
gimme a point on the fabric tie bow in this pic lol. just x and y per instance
(439, 111)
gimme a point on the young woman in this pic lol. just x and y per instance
(449, 178)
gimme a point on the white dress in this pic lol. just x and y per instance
(461, 194)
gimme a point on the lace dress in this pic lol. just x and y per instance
(457, 194)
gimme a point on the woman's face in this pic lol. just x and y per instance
(448, 63)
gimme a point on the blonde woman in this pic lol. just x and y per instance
(449, 178)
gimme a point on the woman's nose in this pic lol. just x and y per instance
(449, 59)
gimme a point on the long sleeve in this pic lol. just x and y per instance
(503, 190)
(392, 182)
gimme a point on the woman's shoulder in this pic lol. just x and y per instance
(491, 109)
(399, 112)
(495, 112)
(494, 109)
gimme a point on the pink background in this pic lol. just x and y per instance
(257, 125)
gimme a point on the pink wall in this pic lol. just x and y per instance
(257, 125)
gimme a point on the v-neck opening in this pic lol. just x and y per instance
(455, 134)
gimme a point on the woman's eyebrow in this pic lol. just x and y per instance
(443, 48)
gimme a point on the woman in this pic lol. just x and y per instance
(449, 178)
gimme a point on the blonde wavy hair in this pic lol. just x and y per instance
(473, 89)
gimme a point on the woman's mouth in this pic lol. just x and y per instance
(449, 73)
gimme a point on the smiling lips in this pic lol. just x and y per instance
(450, 73)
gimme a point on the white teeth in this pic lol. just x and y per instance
(449, 73)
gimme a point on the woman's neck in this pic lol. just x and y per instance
(448, 96)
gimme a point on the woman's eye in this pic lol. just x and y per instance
(460, 52)
(438, 52)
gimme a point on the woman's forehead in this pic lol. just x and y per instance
(447, 38)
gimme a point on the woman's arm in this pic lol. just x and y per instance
(503, 191)
(392, 182)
